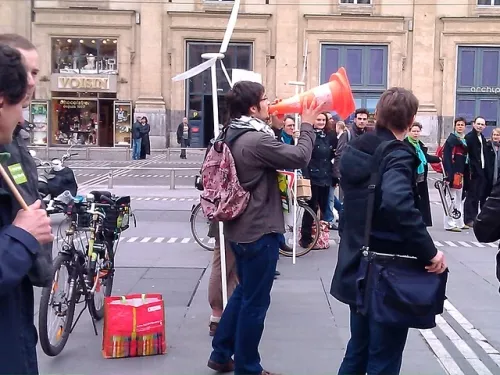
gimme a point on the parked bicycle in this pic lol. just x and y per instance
(88, 259)
(200, 224)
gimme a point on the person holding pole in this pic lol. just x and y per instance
(21, 166)
(20, 236)
(255, 234)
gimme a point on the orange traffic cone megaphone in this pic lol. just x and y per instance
(336, 93)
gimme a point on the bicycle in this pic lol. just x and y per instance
(286, 249)
(90, 268)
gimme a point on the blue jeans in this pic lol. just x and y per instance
(136, 148)
(334, 202)
(374, 348)
(242, 322)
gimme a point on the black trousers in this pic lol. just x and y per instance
(476, 196)
(319, 198)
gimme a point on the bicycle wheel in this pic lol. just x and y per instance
(103, 288)
(199, 228)
(62, 304)
(286, 249)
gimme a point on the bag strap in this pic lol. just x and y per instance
(381, 150)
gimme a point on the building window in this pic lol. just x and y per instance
(85, 55)
(478, 85)
(359, 2)
(488, 2)
(366, 67)
(199, 94)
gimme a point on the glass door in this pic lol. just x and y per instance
(39, 118)
(123, 123)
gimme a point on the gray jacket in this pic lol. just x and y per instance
(257, 156)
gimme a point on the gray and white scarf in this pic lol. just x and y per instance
(247, 122)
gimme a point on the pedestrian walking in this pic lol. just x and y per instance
(456, 168)
(255, 234)
(477, 189)
(414, 142)
(136, 139)
(145, 143)
(184, 134)
(20, 235)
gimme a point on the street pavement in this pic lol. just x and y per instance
(306, 329)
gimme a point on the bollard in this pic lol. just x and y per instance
(172, 179)
(168, 154)
(87, 153)
(110, 179)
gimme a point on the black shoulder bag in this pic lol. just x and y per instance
(395, 289)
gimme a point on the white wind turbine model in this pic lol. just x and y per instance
(299, 87)
(212, 59)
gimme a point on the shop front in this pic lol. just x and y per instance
(83, 110)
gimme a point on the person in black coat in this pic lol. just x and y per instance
(397, 228)
(319, 172)
(487, 226)
(456, 169)
(478, 167)
(145, 143)
(413, 141)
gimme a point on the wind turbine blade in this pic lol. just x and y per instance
(230, 26)
(196, 70)
(226, 74)
(304, 67)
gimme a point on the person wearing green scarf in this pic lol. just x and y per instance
(413, 141)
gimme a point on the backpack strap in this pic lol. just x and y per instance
(380, 152)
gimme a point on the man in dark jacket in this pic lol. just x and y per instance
(20, 165)
(487, 226)
(136, 139)
(478, 167)
(397, 228)
(255, 234)
(184, 133)
(20, 235)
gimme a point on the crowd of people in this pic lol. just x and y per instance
(383, 219)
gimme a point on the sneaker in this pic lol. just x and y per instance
(455, 229)
(465, 227)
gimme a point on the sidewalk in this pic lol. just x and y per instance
(306, 330)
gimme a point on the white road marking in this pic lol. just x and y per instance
(462, 346)
(463, 243)
(172, 240)
(145, 239)
(449, 243)
(133, 239)
(443, 356)
(438, 243)
(478, 244)
(159, 240)
(473, 332)
(185, 240)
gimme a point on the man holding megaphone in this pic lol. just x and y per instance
(255, 234)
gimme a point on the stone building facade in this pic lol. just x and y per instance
(111, 60)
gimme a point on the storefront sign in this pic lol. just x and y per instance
(485, 90)
(92, 83)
